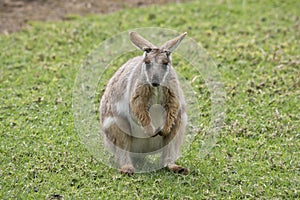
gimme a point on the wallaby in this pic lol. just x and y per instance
(143, 109)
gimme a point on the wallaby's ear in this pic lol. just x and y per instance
(140, 42)
(171, 45)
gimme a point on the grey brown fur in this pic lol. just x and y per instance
(143, 87)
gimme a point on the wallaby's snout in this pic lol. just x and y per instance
(155, 82)
(156, 66)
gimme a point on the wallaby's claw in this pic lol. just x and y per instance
(158, 132)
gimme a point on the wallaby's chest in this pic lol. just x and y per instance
(157, 97)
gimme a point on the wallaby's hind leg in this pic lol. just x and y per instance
(119, 142)
(172, 143)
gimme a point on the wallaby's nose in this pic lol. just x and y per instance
(155, 84)
(155, 80)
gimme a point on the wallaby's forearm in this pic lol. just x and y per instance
(172, 108)
(139, 104)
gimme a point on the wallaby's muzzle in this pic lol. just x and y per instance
(155, 81)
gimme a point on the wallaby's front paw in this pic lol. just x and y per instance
(149, 130)
(165, 131)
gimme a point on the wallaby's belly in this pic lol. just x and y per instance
(143, 143)
(147, 145)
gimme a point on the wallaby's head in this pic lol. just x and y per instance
(157, 60)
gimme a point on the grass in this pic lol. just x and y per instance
(256, 48)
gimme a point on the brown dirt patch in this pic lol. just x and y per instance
(14, 14)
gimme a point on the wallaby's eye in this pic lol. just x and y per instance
(167, 52)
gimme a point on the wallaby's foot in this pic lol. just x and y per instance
(177, 169)
(127, 169)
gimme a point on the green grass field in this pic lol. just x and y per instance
(256, 46)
